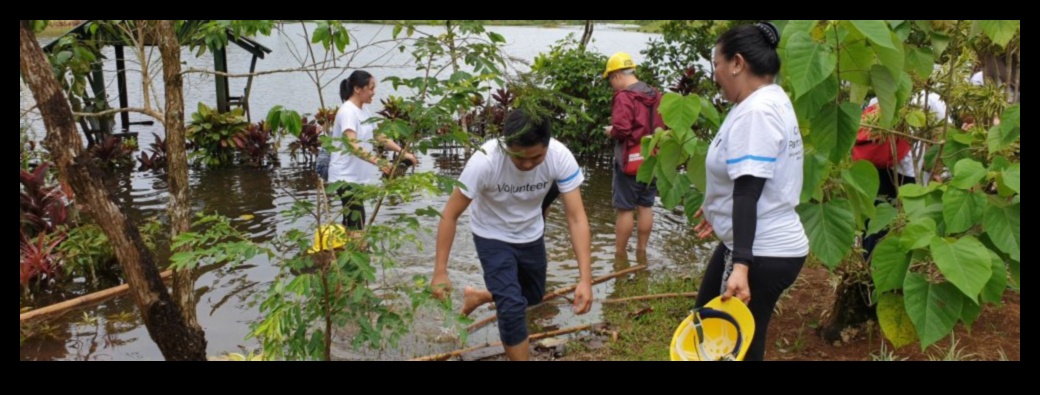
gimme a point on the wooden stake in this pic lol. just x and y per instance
(82, 300)
(443, 356)
(648, 297)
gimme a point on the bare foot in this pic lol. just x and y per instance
(474, 298)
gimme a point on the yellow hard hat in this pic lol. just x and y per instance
(719, 331)
(329, 237)
(617, 62)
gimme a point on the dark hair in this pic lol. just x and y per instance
(757, 43)
(523, 130)
(359, 78)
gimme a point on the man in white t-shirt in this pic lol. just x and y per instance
(508, 181)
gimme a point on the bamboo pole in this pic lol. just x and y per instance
(82, 300)
(648, 297)
(443, 356)
(482, 323)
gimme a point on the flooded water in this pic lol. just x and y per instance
(227, 296)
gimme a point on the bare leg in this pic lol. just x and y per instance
(474, 298)
(623, 229)
(646, 224)
(519, 352)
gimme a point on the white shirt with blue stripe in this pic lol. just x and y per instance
(760, 138)
(507, 202)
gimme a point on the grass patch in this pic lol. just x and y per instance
(646, 327)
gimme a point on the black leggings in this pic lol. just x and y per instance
(767, 280)
(354, 213)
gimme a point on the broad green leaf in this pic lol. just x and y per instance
(965, 263)
(808, 63)
(816, 167)
(831, 229)
(916, 118)
(967, 173)
(885, 86)
(920, 61)
(895, 322)
(669, 156)
(695, 167)
(862, 205)
(678, 111)
(646, 170)
(876, 31)
(1011, 177)
(1003, 225)
(883, 217)
(933, 308)
(999, 31)
(672, 197)
(918, 234)
(709, 113)
(914, 190)
(834, 131)
(994, 290)
(940, 41)
(810, 104)
(893, 56)
(863, 177)
(970, 311)
(794, 26)
(1017, 281)
(962, 210)
(854, 62)
(889, 262)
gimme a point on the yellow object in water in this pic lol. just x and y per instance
(719, 331)
(328, 237)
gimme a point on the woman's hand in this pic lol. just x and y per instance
(704, 228)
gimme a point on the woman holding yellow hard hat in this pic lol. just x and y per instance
(754, 181)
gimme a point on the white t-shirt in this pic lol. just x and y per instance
(507, 202)
(344, 166)
(760, 138)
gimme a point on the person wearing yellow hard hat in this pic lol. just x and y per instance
(754, 182)
(633, 115)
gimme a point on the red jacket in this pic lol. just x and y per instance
(630, 113)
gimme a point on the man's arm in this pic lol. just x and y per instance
(581, 240)
(457, 204)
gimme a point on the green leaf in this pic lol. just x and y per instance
(1017, 281)
(914, 190)
(885, 85)
(920, 61)
(1011, 177)
(999, 31)
(709, 113)
(895, 322)
(397, 30)
(993, 292)
(970, 311)
(810, 104)
(855, 60)
(965, 263)
(834, 130)
(669, 157)
(863, 206)
(1003, 225)
(863, 177)
(831, 229)
(673, 197)
(967, 173)
(962, 210)
(883, 217)
(918, 234)
(875, 31)
(893, 56)
(808, 63)
(678, 111)
(933, 308)
(695, 168)
(496, 38)
(889, 263)
(916, 118)
(816, 167)
(794, 26)
(646, 170)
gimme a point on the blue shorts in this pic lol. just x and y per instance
(515, 276)
(629, 193)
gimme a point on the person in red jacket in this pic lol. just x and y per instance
(634, 115)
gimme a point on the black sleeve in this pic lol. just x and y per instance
(745, 217)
